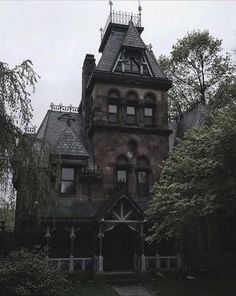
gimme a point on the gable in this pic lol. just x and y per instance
(123, 210)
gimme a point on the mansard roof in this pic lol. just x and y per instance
(64, 132)
(129, 38)
(111, 52)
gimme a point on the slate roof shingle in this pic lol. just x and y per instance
(194, 118)
(130, 38)
(66, 138)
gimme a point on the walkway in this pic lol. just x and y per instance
(131, 290)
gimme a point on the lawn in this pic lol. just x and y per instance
(196, 287)
(91, 289)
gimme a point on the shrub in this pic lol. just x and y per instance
(23, 273)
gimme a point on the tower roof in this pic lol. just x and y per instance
(132, 38)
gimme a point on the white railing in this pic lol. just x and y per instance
(164, 262)
(157, 262)
(72, 263)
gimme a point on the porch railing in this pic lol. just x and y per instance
(158, 262)
(72, 263)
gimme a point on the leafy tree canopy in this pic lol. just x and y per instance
(23, 159)
(15, 107)
(198, 180)
(198, 69)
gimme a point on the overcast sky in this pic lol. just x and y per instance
(56, 35)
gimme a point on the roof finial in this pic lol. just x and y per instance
(140, 10)
(111, 4)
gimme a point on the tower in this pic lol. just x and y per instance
(125, 108)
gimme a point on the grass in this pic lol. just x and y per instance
(91, 289)
(195, 287)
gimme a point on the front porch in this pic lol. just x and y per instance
(113, 243)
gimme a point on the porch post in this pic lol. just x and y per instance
(157, 257)
(143, 258)
(48, 237)
(72, 237)
(100, 257)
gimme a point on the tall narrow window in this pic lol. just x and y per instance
(130, 114)
(148, 116)
(121, 176)
(143, 174)
(149, 109)
(67, 180)
(112, 112)
(122, 172)
(142, 183)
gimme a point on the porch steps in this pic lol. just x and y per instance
(121, 277)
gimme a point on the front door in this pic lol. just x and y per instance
(118, 248)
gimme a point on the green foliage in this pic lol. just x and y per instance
(23, 273)
(198, 180)
(25, 160)
(15, 113)
(15, 104)
(198, 70)
(36, 175)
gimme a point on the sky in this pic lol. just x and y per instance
(56, 35)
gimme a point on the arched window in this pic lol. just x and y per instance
(149, 109)
(142, 176)
(122, 171)
(113, 105)
(131, 107)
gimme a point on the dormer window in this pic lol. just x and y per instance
(131, 65)
(130, 114)
(130, 61)
(112, 112)
(67, 180)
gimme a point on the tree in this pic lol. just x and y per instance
(198, 70)
(198, 181)
(25, 160)
(24, 273)
(15, 109)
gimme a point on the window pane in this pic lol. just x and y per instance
(142, 177)
(121, 176)
(130, 119)
(67, 187)
(130, 110)
(67, 174)
(142, 183)
(148, 112)
(148, 120)
(112, 109)
(112, 117)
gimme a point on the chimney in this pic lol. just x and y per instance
(88, 67)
